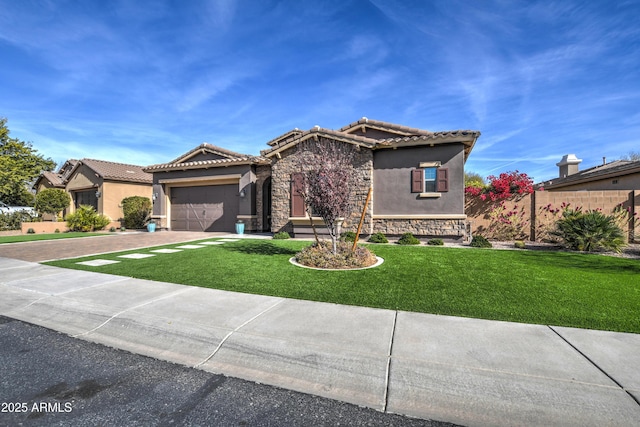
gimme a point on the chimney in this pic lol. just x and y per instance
(568, 165)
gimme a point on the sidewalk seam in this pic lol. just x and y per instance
(388, 370)
(170, 294)
(197, 365)
(596, 365)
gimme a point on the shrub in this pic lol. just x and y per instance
(589, 231)
(86, 219)
(13, 220)
(57, 231)
(281, 235)
(112, 230)
(52, 201)
(123, 228)
(435, 242)
(31, 231)
(480, 242)
(378, 238)
(136, 210)
(408, 239)
(519, 244)
(348, 236)
(320, 255)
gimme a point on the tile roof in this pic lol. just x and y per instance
(607, 170)
(55, 179)
(116, 171)
(231, 158)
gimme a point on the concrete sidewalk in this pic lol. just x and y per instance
(466, 371)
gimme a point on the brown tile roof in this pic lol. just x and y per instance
(604, 171)
(231, 158)
(54, 179)
(117, 171)
(406, 137)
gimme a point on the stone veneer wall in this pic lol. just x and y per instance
(421, 227)
(281, 171)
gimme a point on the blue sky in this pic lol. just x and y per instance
(144, 81)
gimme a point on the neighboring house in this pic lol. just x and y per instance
(417, 178)
(615, 175)
(98, 183)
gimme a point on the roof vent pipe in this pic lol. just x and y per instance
(604, 160)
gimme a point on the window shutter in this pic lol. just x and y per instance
(297, 202)
(417, 181)
(442, 180)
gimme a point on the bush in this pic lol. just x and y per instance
(348, 236)
(31, 231)
(112, 230)
(13, 220)
(52, 201)
(320, 255)
(435, 242)
(589, 231)
(378, 238)
(519, 244)
(408, 239)
(86, 219)
(480, 242)
(57, 231)
(136, 210)
(281, 235)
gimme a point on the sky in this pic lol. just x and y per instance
(143, 82)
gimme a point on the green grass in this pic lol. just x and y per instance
(45, 236)
(555, 288)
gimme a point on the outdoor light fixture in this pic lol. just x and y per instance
(242, 194)
(98, 194)
(154, 196)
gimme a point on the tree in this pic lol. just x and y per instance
(634, 156)
(473, 179)
(327, 189)
(20, 164)
(52, 201)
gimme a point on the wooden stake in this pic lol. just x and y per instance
(364, 212)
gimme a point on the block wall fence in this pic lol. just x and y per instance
(533, 205)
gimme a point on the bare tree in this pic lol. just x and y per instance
(634, 156)
(328, 174)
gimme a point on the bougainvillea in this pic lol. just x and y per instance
(504, 186)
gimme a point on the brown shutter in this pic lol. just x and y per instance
(297, 202)
(442, 179)
(417, 181)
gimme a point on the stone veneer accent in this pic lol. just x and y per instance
(281, 171)
(421, 227)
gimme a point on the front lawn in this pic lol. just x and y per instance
(554, 288)
(45, 236)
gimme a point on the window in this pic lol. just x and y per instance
(430, 180)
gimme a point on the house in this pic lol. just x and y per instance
(98, 183)
(417, 179)
(615, 175)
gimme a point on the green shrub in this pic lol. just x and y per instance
(589, 231)
(123, 228)
(52, 201)
(408, 239)
(519, 244)
(136, 210)
(480, 242)
(57, 231)
(348, 236)
(85, 218)
(320, 255)
(281, 235)
(13, 220)
(31, 231)
(435, 242)
(378, 238)
(112, 230)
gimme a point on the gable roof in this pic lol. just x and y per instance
(604, 171)
(115, 171)
(403, 137)
(229, 158)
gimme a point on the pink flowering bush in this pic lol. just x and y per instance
(505, 186)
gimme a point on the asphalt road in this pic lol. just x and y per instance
(51, 379)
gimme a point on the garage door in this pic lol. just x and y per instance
(206, 208)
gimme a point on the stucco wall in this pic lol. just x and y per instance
(110, 204)
(82, 179)
(392, 181)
